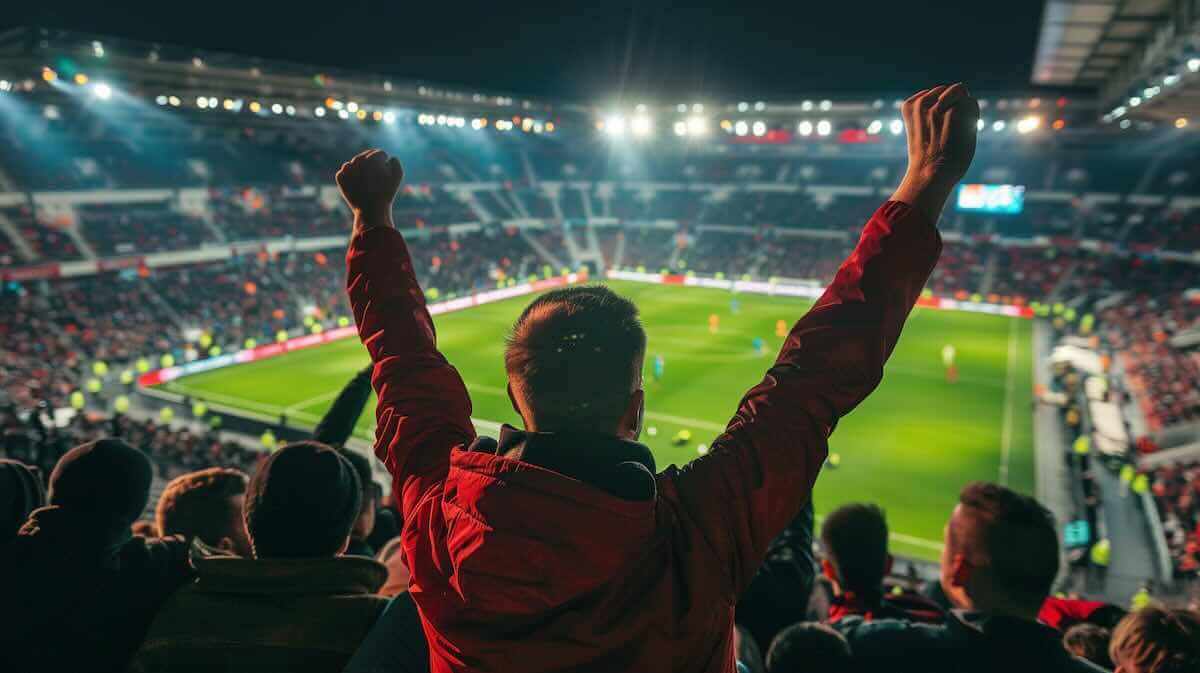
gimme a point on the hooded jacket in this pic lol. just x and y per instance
(253, 615)
(79, 592)
(571, 554)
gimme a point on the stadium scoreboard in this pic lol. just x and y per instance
(999, 199)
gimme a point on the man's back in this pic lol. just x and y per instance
(265, 615)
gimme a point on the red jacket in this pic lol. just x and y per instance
(519, 568)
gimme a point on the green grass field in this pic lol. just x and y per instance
(909, 447)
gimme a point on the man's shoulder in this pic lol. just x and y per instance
(882, 637)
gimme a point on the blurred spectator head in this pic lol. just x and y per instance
(302, 502)
(108, 480)
(574, 362)
(1089, 641)
(1156, 640)
(371, 495)
(21, 492)
(808, 647)
(1000, 552)
(855, 539)
(206, 504)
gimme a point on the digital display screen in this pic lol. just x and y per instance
(1001, 199)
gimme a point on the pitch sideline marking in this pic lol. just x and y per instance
(1009, 384)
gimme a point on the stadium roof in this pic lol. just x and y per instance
(1084, 42)
(1140, 56)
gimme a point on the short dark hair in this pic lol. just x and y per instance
(573, 357)
(1157, 640)
(855, 539)
(808, 646)
(198, 504)
(1089, 641)
(1016, 535)
(302, 502)
(362, 467)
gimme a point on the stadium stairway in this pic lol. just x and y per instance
(8, 229)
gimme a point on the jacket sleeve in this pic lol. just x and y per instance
(338, 423)
(423, 409)
(761, 471)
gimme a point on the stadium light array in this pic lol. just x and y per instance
(48, 74)
(641, 126)
(1028, 124)
(342, 114)
(102, 91)
(741, 128)
(352, 107)
(318, 112)
(614, 125)
(1171, 80)
(806, 105)
(980, 124)
(680, 128)
(697, 126)
(1181, 122)
(805, 128)
(875, 127)
(1135, 101)
(1193, 64)
(824, 128)
(896, 127)
(999, 125)
(5, 85)
(81, 79)
(759, 128)
(743, 106)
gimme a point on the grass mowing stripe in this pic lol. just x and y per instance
(1006, 424)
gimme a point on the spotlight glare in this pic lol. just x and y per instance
(741, 128)
(875, 127)
(49, 75)
(1028, 125)
(352, 106)
(255, 106)
(174, 101)
(759, 129)
(896, 127)
(319, 111)
(1182, 122)
(342, 114)
(201, 102)
(614, 126)
(161, 100)
(680, 128)
(1193, 64)
(697, 126)
(81, 79)
(805, 128)
(824, 128)
(998, 125)
(102, 90)
(277, 108)
(389, 117)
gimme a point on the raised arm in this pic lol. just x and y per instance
(761, 471)
(423, 409)
(338, 423)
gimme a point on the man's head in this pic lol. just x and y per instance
(302, 503)
(808, 646)
(1155, 640)
(574, 362)
(365, 522)
(1001, 552)
(206, 504)
(107, 480)
(855, 540)
(1089, 641)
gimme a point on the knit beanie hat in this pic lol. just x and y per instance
(302, 502)
(105, 479)
(21, 492)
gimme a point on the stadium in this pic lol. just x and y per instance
(173, 252)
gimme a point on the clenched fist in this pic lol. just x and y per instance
(369, 183)
(941, 131)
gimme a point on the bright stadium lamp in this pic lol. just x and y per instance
(998, 125)
(697, 126)
(641, 126)
(980, 124)
(319, 111)
(805, 128)
(824, 128)
(1193, 64)
(875, 127)
(896, 127)
(1028, 125)
(741, 128)
(680, 128)
(615, 126)
(759, 129)
(102, 91)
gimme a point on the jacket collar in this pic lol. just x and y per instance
(84, 533)
(218, 573)
(617, 466)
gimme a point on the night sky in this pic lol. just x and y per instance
(590, 51)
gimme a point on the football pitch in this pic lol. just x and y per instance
(910, 447)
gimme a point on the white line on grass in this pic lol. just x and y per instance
(1009, 384)
(926, 543)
